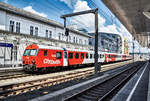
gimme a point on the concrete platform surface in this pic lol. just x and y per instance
(137, 88)
(8, 69)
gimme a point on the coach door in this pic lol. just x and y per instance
(65, 58)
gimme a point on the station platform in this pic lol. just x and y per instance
(138, 88)
(6, 69)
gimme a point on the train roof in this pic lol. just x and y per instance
(68, 49)
(49, 47)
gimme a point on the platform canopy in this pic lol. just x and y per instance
(134, 15)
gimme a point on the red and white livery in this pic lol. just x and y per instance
(37, 57)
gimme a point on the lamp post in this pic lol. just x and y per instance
(133, 49)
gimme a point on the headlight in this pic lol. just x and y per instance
(33, 61)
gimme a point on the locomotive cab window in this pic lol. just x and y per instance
(45, 52)
(58, 55)
(77, 55)
(30, 52)
(82, 55)
(26, 52)
(33, 52)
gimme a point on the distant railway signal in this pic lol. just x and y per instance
(67, 32)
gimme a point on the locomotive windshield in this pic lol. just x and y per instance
(30, 52)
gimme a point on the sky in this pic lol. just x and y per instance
(53, 9)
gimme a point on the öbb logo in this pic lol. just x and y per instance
(47, 61)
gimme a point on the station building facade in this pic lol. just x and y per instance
(24, 28)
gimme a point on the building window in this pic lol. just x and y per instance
(36, 31)
(69, 38)
(81, 41)
(50, 34)
(46, 32)
(85, 42)
(11, 26)
(63, 36)
(59, 36)
(17, 27)
(74, 39)
(31, 30)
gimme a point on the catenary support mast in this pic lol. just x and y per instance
(94, 11)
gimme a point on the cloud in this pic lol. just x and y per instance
(6, 1)
(30, 9)
(70, 3)
(110, 29)
(86, 20)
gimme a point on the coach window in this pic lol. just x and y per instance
(65, 55)
(90, 56)
(82, 55)
(45, 52)
(77, 55)
(58, 55)
(70, 55)
(87, 55)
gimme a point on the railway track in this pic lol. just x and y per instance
(14, 89)
(23, 87)
(105, 90)
(20, 74)
(13, 75)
